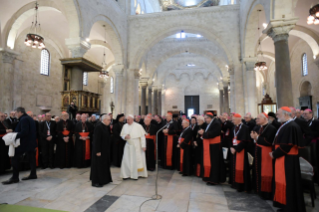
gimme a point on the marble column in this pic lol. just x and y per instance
(76, 83)
(250, 86)
(132, 100)
(159, 102)
(221, 101)
(232, 87)
(150, 100)
(155, 108)
(278, 30)
(7, 58)
(118, 89)
(102, 92)
(226, 99)
(143, 98)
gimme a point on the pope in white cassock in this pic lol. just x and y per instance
(133, 162)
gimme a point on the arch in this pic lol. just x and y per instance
(113, 33)
(136, 58)
(305, 88)
(100, 43)
(14, 23)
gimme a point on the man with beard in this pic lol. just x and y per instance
(118, 142)
(82, 147)
(65, 145)
(185, 145)
(198, 145)
(100, 167)
(240, 172)
(213, 162)
(263, 136)
(288, 192)
(150, 129)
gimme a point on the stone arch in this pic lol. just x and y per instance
(100, 43)
(115, 43)
(15, 22)
(305, 88)
(209, 34)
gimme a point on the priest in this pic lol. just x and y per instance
(65, 144)
(133, 163)
(213, 162)
(288, 192)
(82, 151)
(240, 166)
(100, 167)
(118, 142)
(198, 147)
(185, 145)
(263, 135)
(170, 143)
(150, 136)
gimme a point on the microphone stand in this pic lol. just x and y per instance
(157, 196)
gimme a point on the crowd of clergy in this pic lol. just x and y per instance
(251, 154)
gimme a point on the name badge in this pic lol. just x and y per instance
(48, 132)
(235, 142)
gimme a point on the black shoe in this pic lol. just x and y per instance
(30, 178)
(210, 184)
(10, 181)
(51, 167)
(97, 185)
(44, 167)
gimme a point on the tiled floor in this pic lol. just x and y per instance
(71, 190)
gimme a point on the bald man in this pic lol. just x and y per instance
(150, 129)
(82, 147)
(48, 134)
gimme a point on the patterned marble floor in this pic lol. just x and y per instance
(71, 190)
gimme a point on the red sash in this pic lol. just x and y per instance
(239, 167)
(66, 132)
(181, 155)
(206, 150)
(198, 170)
(87, 155)
(169, 149)
(37, 155)
(2, 135)
(266, 168)
(280, 176)
(152, 137)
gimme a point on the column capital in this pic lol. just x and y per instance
(278, 29)
(250, 63)
(118, 69)
(78, 46)
(225, 83)
(143, 85)
(8, 56)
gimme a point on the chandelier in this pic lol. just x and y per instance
(313, 17)
(260, 65)
(33, 39)
(104, 74)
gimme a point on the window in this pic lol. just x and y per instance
(304, 65)
(181, 34)
(45, 62)
(85, 78)
(111, 85)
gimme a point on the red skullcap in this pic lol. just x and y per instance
(285, 108)
(237, 115)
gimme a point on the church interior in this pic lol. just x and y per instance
(152, 57)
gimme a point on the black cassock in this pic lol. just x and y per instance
(240, 173)
(263, 169)
(170, 152)
(118, 144)
(82, 151)
(198, 152)
(185, 142)
(213, 162)
(288, 192)
(227, 127)
(150, 146)
(100, 167)
(64, 150)
(4, 157)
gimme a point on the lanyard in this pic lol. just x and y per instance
(209, 124)
(311, 122)
(48, 125)
(281, 127)
(183, 132)
(235, 134)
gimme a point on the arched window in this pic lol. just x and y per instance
(45, 62)
(304, 65)
(111, 85)
(85, 78)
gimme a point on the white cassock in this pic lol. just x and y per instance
(134, 162)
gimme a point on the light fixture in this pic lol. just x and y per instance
(313, 17)
(87, 39)
(32, 38)
(104, 74)
(261, 64)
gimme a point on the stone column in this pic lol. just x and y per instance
(132, 93)
(7, 58)
(155, 108)
(118, 89)
(150, 100)
(103, 97)
(159, 102)
(221, 101)
(232, 87)
(76, 83)
(250, 86)
(143, 98)
(77, 46)
(278, 30)
(226, 99)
